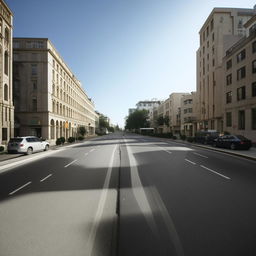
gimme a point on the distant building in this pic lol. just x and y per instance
(49, 100)
(222, 28)
(188, 114)
(148, 104)
(239, 78)
(6, 94)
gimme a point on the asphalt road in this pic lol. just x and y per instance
(174, 199)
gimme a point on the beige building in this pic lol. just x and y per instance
(221, 30)
(239, 97)
(49, 100)
(170, 109)
(6, 103)
(188, 114)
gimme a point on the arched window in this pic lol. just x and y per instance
(52, 130)
(6, 92)
(6, 62)
(53, 107)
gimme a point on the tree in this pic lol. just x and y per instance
(166, 120)
(82, 130)
(102, 122)
(137, 119)
(160, 120)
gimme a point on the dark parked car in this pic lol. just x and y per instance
(232, 142)
(206, 137)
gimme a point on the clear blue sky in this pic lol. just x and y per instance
(122, 51)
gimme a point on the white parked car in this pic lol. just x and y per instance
(27, 145)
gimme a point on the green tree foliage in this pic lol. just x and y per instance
(102, 122)
(82, 131)
(166, 120)
(137, 119)
(160, 120)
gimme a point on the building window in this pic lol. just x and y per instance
(253, 118)
(228, 97)
(4, 133)
(241, 93)
(229, 119)
(241, 73)
(33, 69)
(16, 44)
(254, 89)
(207, 31)
(34, 104)
(213, 62)
(229, 64)
(240, 56)
(6, 35)
(6, 62)
(212, 36)
(34, 85)
(254, 66)
(6, 92)
(254, 47)
(212, 25)
(241, 119)
(229, 79)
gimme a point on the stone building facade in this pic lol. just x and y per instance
(188, 114)
(239, 96)
(221, 30)
(49, 100)
(6, 95)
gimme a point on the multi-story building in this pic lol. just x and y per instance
(188, 114)
(175, 111)
(6, 102)
(223, 28)
(49, 100)
(239, 97)
(148, 104)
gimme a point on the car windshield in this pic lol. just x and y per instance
(15, 140)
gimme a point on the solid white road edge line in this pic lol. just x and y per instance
(16, 190)
(45, 178)
(190, 161)
(223, 176)
(103, 197)
(200, 155)
(70, 163)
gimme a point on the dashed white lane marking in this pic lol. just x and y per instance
(200, 155)
(143, 203)
(70, 163)
(190, 161)
(16, 190)
(102, 202)
(223, 176)
(92, 149)
(86, 154)
(45, 178)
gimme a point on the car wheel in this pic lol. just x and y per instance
(233, 146)
(46, 148)
(29, 151)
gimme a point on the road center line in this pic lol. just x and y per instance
(16, 190)
(190, 161)
(45, 178)
(70, 163)
(200, 155)
(223, 176)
